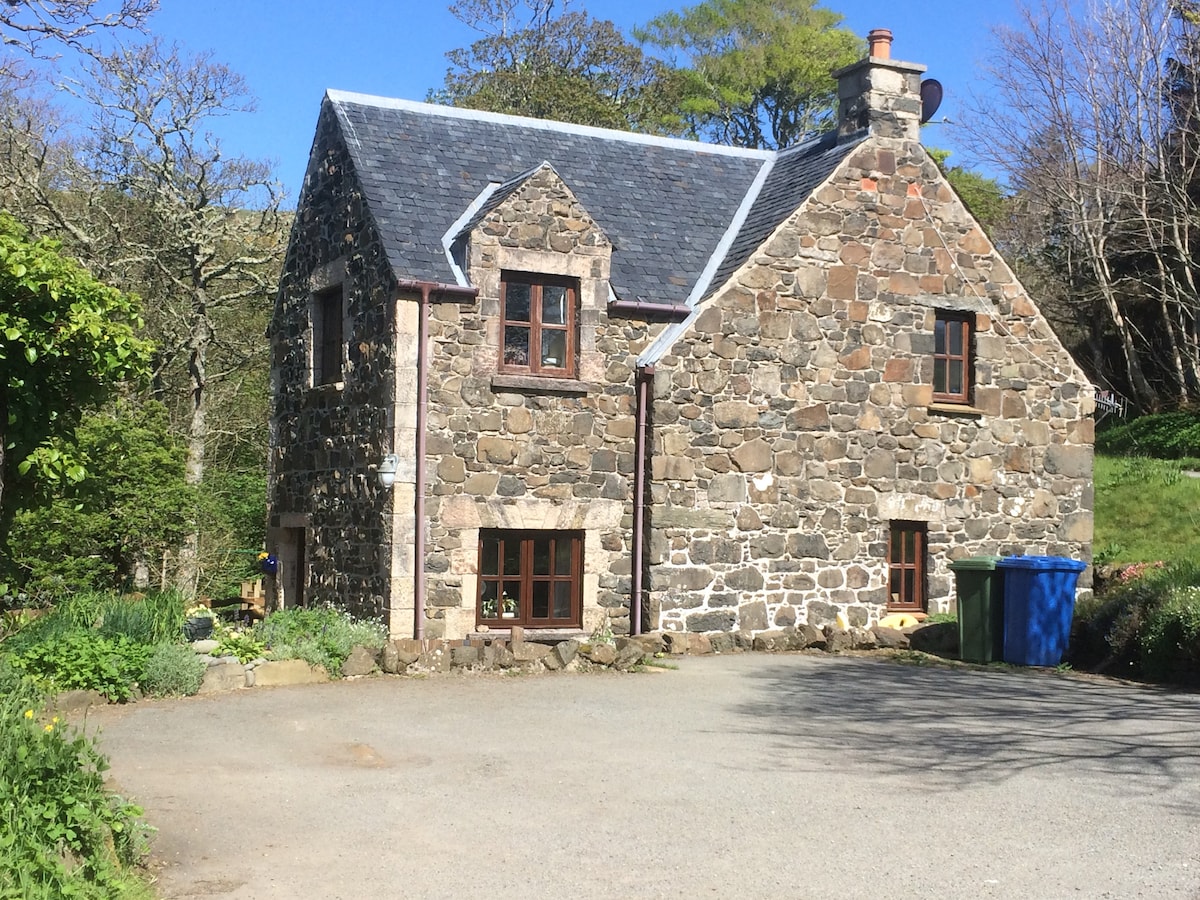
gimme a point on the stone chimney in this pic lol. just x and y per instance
(879, 95)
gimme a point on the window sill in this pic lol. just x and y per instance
(532, 635)
(542, 384)
(956, 409)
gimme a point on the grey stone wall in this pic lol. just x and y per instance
(795, 419)
(325, 440)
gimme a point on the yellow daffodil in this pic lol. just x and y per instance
(49, 728)
(29, 713)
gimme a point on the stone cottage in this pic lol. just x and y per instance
(537, 374)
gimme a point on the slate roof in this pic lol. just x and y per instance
(681, 215)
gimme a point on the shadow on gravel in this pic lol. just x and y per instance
(967, 726)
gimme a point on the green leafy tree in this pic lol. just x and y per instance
(568, 66)
(67, 341)
(756, 73)
(108, 530)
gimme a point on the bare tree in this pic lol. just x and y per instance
(149, 199)
(42, 27)
(1096, 127)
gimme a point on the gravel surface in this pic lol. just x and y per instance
(736, 776)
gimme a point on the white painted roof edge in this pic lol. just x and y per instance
(612, 134)
(452, 232)
(663, 342)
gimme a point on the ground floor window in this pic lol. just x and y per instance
(530, 578)
(906, 566)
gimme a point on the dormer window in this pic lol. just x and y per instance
(537, 324)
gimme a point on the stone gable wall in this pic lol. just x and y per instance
(326, 440)
(794, 421)
(531, 455)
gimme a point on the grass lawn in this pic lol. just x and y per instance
(1146, 510)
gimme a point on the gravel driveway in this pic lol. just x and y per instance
(736, 776)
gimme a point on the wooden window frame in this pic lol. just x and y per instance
(943, 323)
(907, 595)
(537, 327)
(328, 336)
(493, 586)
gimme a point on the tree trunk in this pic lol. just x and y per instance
(188, 571)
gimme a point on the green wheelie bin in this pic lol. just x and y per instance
(980, 588)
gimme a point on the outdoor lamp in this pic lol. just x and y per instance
(387, 470)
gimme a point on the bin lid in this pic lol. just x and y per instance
(975, 563)
(1043, 563)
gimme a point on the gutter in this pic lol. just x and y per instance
(640, 456)
(427, 290)
(645, 309)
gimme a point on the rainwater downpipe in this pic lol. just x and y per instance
(426, 289)
(645, 374)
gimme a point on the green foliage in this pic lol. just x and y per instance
(62, 835)
(93, 534)
(85, 660)
(1171, 435)
(1109, 631)
(233, 517)
(242, 643)
(756, 73)
(173, 670)
(68, 339)
(1146, 510)
(152, 619)
(1170, 637)
(321, 636)
(569, 67)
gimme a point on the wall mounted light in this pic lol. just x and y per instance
(387, 470)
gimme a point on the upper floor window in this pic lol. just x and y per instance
(327, 338)
(537, 324)
(952, 357)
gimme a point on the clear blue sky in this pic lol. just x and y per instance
(290, 51)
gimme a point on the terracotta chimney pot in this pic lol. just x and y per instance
(879, 40)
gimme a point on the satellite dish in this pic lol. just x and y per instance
(931, 98)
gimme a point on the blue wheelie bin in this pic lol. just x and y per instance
(1039, 601)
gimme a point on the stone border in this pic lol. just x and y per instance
(407, 656)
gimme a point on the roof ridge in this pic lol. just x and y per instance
(612, 134)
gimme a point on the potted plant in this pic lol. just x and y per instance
(487, 608)
(198, 623)
(510, 606)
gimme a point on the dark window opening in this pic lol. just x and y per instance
(530, 578)
(327, 336)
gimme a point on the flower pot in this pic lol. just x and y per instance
(197, 628)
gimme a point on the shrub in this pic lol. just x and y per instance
(1170, 638)
(245, 645)
(173, 670)
(321, 636)
(85, 660)
(1107, 632)
(61, 833)
(1163, 435)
